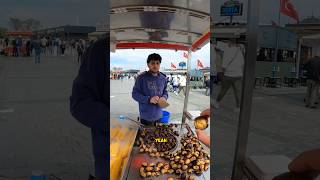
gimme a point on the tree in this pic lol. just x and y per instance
(31, 24)
(15, 23)
(2, 32)
(24, 25)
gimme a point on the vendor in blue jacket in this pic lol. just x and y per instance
(88, 102)
(150, 88)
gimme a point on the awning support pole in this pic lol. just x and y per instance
(247, 90)
(298, 58)
(186, 99)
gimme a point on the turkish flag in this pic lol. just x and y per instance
(288, 9)
(274, 23)
(199, 64)
(185, 55)
(173, 66)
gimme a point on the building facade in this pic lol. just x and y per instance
(67, 32)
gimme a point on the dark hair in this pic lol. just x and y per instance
(155, 57)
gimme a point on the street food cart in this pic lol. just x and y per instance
(243, 165)
(149, 24)
(12, 35)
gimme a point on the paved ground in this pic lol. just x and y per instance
(122, 102)
(280, 125)
(37, 131)
(280, 122)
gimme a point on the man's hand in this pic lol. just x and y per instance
(304, 167)
(154, 100)
(162, 99)
(201, 134)
(203, 137)
(308, 161)
(163, 102)
(205, 113)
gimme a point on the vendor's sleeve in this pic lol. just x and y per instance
(165, 92)
(86, 102)
(225, 62)
(137, 94)
(306, 161)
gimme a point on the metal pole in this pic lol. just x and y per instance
(275, 59)
(247, 89)
(185, 105)
(186, 99)
(212, 73)
(298, 58)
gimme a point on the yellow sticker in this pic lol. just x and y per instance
(161, 140)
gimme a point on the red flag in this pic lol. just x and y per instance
(173, 66)
(288, 9)
(185, 55)
(274, 23)
(199, 64)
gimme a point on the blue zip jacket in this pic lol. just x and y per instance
(147, 86)
(88, 102)
(37, 47)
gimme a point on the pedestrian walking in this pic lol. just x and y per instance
(55, 47)
(312, 68)
(232, 71)
(44, 45)
(207, 85)
(62, 47)
(80, 50)
(37, 45)
(183, 84)
(18, 46)
(175, 84)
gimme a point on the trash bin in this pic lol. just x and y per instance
(165, 117)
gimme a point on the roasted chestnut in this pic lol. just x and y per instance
(187, 161)
(184, 167)
(183, 176)
(149, 168)
(152, 164)
(145, 164)
(141, 169)
(143, 174)
(164, 171)
(170, 171)
(174, 166)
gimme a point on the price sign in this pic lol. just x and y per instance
(231, 8)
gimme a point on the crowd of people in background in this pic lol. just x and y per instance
(178, 83)
(175, 83)
(43, 46)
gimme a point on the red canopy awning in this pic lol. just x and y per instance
(151, 45)
(19, 33)
(176, 25)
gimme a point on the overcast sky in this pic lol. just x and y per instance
(55, 12)
(59, 12)
(136, 59)
(269, 10)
